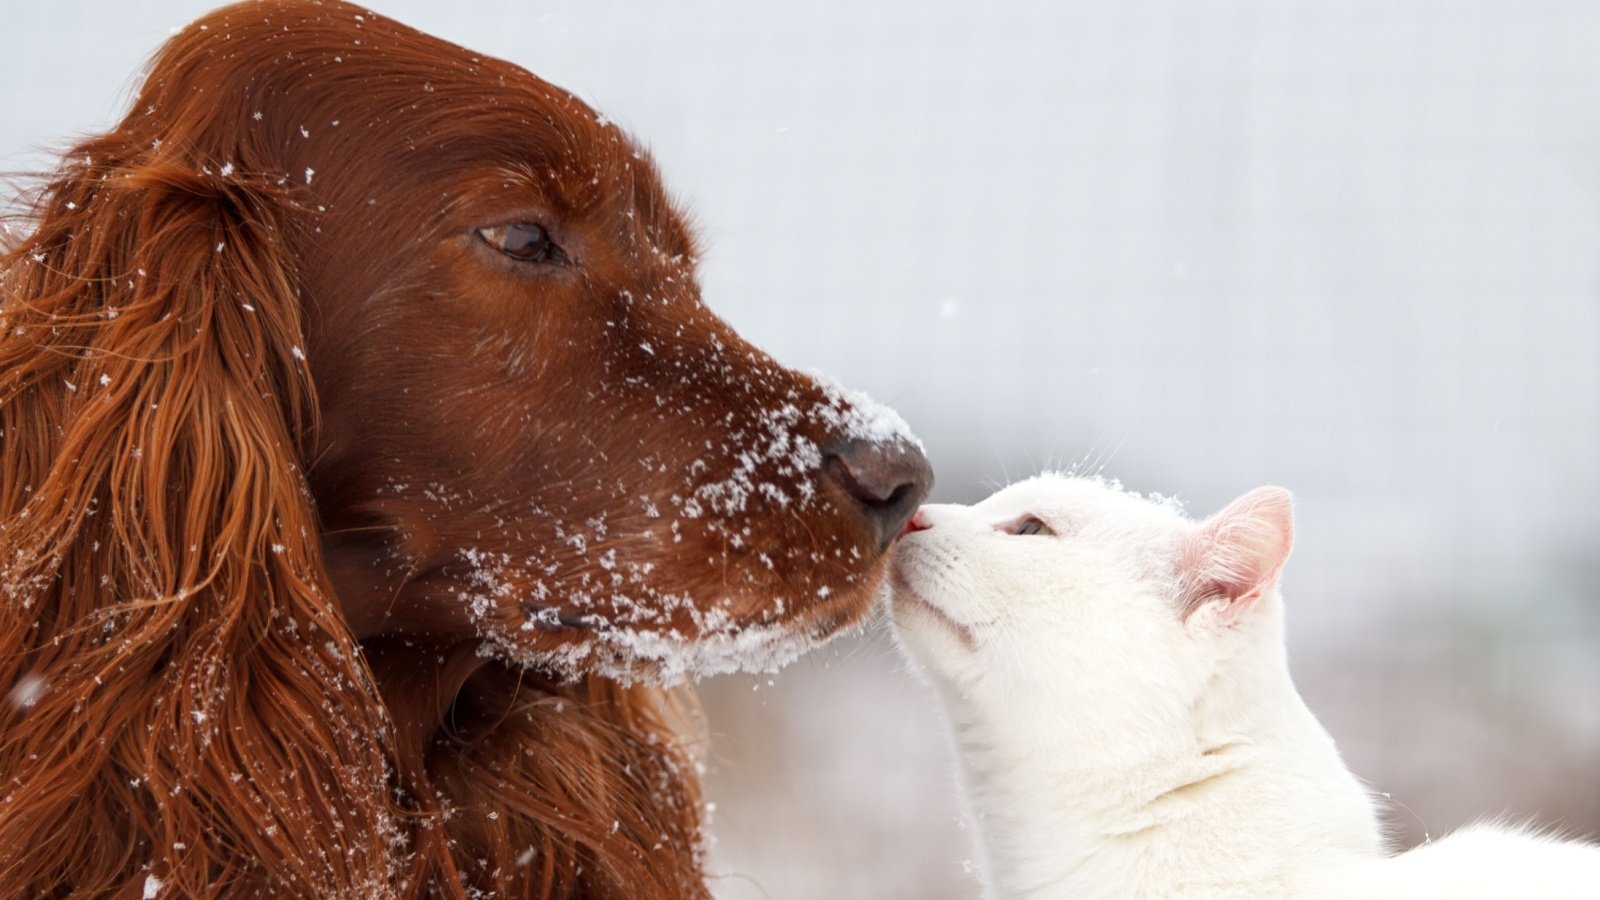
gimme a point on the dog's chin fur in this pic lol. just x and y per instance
(715, 644)
(1125, 720)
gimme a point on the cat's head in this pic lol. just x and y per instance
(1070, 597)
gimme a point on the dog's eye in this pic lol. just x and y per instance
(523, 241)
(1031, 525)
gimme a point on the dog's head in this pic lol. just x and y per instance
(532, 428)
(345, 357)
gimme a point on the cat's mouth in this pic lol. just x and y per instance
(904, 599)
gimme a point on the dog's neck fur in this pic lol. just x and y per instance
(1202, 814)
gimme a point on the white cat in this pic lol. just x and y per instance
(1116, 682)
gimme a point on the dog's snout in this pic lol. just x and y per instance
(888, 480)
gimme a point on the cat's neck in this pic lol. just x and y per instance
(1249, 801)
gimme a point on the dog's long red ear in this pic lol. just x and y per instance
(185, 703)
(1236, 555)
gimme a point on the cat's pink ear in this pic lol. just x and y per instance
(1236, 555)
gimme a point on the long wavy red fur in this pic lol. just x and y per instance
(188, 711)
(320, 507)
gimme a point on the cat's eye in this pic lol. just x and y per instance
(1031, 525)
(524, 242)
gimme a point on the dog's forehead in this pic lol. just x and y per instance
(342, 94)
(321, 70)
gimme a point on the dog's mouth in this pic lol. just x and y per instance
(769, 541)
(820, 625)
(554, 618)
(672, 639)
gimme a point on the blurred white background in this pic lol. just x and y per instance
(1351, 247)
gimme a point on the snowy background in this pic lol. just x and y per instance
(1351, 247)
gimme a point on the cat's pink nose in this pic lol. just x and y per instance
(917, 522)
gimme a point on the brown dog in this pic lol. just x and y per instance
(367, 453)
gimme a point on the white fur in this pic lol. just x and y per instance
(1121, 704)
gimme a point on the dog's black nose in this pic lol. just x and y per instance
(888, 480)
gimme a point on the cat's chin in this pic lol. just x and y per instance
(912, 613)
(925, 625)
